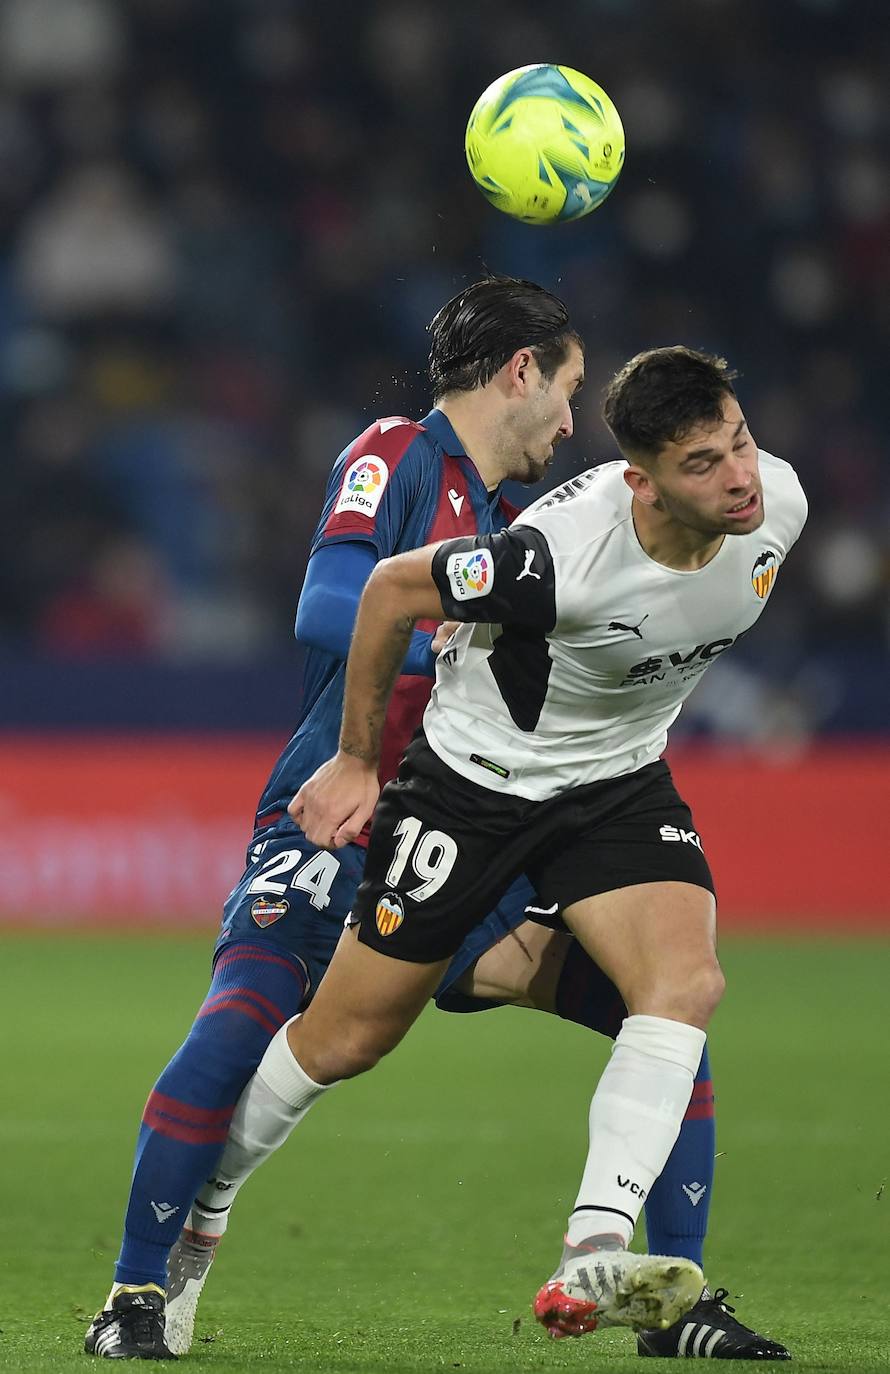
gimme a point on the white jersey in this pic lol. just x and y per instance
(595, 646)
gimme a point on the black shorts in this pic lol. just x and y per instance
(443, 851)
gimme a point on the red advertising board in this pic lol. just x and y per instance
(140, 832)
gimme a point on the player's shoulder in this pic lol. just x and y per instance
(582, 509)
(784, 497)
(389, 437)
(394, 442)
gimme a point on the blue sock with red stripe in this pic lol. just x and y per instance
(255, 989)
(679, 1201)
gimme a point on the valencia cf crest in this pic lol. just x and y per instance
(763, 574)
(266, 913)
(389, 914)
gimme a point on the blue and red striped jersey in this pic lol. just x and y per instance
(399, 485)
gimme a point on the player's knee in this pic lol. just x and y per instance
(690, 994)
(699, 994)
(707, 990)
(355, 1052)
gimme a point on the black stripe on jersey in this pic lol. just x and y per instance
(520, 664)
(498, 579)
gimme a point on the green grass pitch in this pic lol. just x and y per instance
(407, 1225)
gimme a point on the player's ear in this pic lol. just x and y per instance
(640, 483)
(522, 368)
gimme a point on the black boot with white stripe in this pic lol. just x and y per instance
(131, 1327)
(709, 1331)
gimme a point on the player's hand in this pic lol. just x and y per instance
(333, 806)
(443, 634)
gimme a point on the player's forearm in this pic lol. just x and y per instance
(392, 602)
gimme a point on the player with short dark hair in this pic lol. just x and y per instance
(541, 754)
(659, 396)
(398, 485)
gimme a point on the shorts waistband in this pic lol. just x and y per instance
(270, 818)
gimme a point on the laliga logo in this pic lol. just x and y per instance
(363, 485)
(470, 574)
(366, 478)
(475, 572)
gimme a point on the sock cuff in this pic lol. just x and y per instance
(281, 1073)
(673, 1041)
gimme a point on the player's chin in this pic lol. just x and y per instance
(541, 466)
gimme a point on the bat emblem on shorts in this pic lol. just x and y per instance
(389, 913)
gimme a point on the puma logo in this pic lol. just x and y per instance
(630, 629)
(527, 570)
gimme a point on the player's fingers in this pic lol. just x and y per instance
(351, 828)
(443, 634)
(295, 810)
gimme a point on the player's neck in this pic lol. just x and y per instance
(481, 437)
(668, 542)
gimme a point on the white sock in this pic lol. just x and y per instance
(275, 1100)
(635, 1117)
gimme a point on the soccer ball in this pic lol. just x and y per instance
(545, 144)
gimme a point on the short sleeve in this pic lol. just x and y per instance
(375, 487)
(505, 578)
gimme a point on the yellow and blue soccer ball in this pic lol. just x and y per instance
(545, 144)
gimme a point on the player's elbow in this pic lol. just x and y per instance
(386, 580)
(404, 585)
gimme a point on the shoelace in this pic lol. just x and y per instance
(719, 1297)
(143, 1325)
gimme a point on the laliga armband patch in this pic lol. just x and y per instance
(470, 574)
(364, 483)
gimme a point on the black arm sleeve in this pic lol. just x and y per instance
(498, 579)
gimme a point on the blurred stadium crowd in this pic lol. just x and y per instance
(226, 223)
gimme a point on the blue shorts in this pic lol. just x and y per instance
(298, 896)
(507, 915)
(294, 895)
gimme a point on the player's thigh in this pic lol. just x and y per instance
(656, 941)
(295, 896)
(364, 1006)
(634, 885)
(507, 960)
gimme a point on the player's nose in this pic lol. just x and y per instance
(738, 475)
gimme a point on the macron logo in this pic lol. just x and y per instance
(456, 501)
(695, 1192)
(163, 1210)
